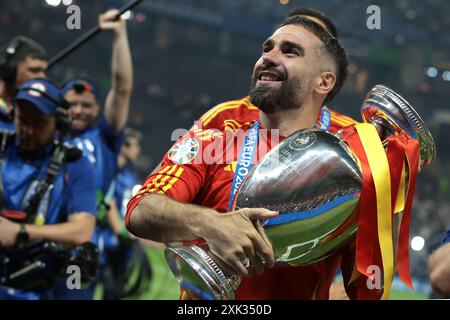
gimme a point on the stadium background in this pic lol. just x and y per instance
(189, 55)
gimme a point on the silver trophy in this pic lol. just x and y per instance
(313, 179)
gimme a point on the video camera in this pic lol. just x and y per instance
(37, 266)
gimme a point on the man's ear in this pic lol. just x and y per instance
(326, 82)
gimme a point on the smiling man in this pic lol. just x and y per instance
(232, 114)
(301, 67)
(100, 134)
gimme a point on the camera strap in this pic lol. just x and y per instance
(45, 185)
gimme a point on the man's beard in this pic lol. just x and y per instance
(289, 95)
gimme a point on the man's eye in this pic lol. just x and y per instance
(291, 52)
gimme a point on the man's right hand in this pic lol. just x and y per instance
(236, 236)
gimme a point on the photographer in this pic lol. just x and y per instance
(21, 59)
(65, 211)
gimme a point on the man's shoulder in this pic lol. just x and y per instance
(78, 164)
(230, 114)
(200, 142)
(340, 118)
(219, 134)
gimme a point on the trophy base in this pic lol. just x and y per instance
(198, 274)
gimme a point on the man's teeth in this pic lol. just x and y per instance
(269, 78)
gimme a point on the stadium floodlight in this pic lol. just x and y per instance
(53, 3)
(417, 243)
(431, 72)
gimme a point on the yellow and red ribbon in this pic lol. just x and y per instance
(383, 195)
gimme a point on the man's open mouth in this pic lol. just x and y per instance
(266, 77)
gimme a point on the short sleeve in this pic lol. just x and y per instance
(113, 140)
(81, 186)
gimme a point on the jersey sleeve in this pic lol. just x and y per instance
(182, 172)
(81, 187)
(113, 140)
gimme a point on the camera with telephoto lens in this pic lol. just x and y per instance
(37, 266)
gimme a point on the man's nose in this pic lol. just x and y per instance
(271, 58)
(26, 129)
(75, 108)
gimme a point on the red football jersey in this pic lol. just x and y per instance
(197, 170)
(233, 114)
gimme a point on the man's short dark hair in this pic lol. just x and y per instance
(332, 46)
(25, 47)
(306, 11)
(14, 52)
(132, 133)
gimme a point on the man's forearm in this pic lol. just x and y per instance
(439, 267)
(122, 68)
(162, 219)
(71, 233)
(118, 99)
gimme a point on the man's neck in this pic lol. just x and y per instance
(289, 121)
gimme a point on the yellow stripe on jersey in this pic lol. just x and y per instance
(174, 179)
(210, 115)
(346, 119)
(163, 180)
(342, 123)
(219, 110)
(219, 107)
(232, 124)
(341, 119)
(159, 176)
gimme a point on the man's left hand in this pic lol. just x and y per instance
(8, 232)
(108, 21)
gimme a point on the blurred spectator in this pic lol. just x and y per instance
(101, 139)
(21, 59)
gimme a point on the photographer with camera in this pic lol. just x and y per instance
(47, 188)
(21, 59)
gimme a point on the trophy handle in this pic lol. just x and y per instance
(391, 115)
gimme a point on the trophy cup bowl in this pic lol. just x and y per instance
(313, 180)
